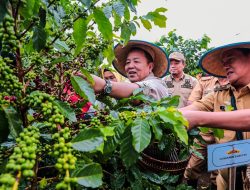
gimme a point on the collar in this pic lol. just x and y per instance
(182, 77)
(149, 77)
(222, 87)
(207, 78)
(245, 87)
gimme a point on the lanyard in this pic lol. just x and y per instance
(239, 134)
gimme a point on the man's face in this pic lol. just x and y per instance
(137, 67)
(176, 67)
(109, 76)
(237, 67)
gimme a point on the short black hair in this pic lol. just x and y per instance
(105, 70)
(244, 51)
(147, 55)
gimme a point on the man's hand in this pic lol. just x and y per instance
(192, 118)
(98, 85)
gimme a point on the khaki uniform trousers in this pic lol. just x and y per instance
(221, 179)
(196, 166)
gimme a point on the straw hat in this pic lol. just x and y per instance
(211, 61)
(159, 56)
(119, 77)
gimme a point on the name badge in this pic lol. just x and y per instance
(226, 155)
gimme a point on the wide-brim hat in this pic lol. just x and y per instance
(211, 61)
(159, 56)
(118, 76)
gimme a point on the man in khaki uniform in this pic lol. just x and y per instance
(233, 61)
(179, 83)
(206, 85)
(196, 166)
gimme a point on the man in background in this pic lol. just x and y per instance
(179, 83)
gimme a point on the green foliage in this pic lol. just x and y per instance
(128, 153)
(146, 23)
(113, 141)
(39, 38)
(79, 34)
(103, 23)
(4, 127)
(87, 3)
(178, 122)
(126, 32)
(218, 133)
(83, 88)
(66, 110)
(157, 18)
(88, 140)
(3, 9)
(119, 8)
(46, 47)
(90, 175)
(14, 122)
(141, 134)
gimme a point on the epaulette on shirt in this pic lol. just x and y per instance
(220, 88)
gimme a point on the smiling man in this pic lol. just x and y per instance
(178, 82)
(143, 63)
(231, 61)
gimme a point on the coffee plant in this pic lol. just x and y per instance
(52, 134)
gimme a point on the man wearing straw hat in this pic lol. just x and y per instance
(231, 61)
(142, 63)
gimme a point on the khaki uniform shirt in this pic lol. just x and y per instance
(205, 86)
(153, 87)
(182, 88)
(217, 102)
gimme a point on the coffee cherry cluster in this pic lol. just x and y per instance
(143, 114)
(93, 48)
(9, 40)
(24, 155)
(82, 125)
(36, 59)
(36, 99)
(64, 185)
(109, 119)
(44, 102)
(125, 116)
(67, 22)
(6, 181)
(8, 81)
(95, 122)
(3, 100)
(62, 150)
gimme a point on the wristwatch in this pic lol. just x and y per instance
(108, 87)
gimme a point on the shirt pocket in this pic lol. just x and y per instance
(207, 91)
(170, 92)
